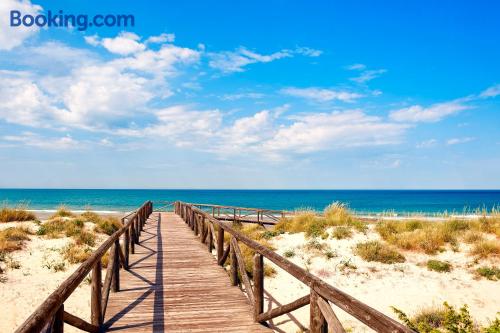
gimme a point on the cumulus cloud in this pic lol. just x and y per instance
(433, 113)
(321, 95)
(236, 61)
(124, 44)
(329, 131)
(356, 67)
(11, 37)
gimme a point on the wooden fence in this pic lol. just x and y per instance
(50, 316)
(243, 214)
(322, 317)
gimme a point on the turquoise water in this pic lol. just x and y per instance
(362, 201)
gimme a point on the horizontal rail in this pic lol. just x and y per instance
(53, 304)
(366, 314)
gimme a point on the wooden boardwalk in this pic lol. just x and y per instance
(175, 285)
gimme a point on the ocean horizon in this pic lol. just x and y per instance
(397, 202)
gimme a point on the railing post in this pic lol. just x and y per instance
(317, 323)
(234, 267)
(195, 224)
(96, 295)
(59, 320)
(210, 239)
(126, 245)
(258, 284)
(220, 243)
(115, 284)
(131, 231)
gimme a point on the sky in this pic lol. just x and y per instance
(254, 94)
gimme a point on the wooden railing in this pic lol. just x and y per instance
(243, 214)
(322, 317)
(50, 316)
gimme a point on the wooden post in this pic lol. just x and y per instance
(59, 320)
(234, 215)
(115, 285)
(96, 295)
(234, 267)
(127, 246)
(132, 238)
(258, 284)
(220, 243)
(210, 239)
(316, 319)
(196, 224)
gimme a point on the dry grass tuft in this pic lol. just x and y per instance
(63, 211)
(486, 248)
(75, 253)
(108, 225)
(342, 232)
(377, 251)
(11, 239)
(15, 214)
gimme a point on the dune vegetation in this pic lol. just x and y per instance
(16, 215)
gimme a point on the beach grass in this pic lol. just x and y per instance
(63, 211)
(489, 272)
(379, 252)
(76, 253)
(12, 239)
(16, 215)
(486, 248)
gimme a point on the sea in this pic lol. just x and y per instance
(363, 202)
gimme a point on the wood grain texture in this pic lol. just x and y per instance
(175, 285)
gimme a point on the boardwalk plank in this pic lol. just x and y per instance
(175, 285)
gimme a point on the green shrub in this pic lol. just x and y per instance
(289, 253)
(377, 251)
(491, 273)
(108, 225)
(439, 266)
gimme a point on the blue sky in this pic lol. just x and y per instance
(260, 94)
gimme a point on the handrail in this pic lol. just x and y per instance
(204, 224)
(50, 315)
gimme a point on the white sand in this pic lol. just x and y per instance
(28, 286)
(408, 286)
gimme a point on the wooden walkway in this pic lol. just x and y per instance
(175, 285)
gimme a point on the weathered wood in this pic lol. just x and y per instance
(96, 295)
(126, 245)
(283, 309)
(366, 314)
(80, 323)
(223, 259)
(46, 311)
(334, 325)
(243, 270)
(316, 318)
(132, 237)
(233, 271)
(177, 288)
(106, 288)
(210, 240)
(115, 284)
(123, 261)
(58, 326)
(220, 243)
(258, 285)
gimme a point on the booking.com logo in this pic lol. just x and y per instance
(59, 19)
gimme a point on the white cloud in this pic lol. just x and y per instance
(236, 61)
(456, 141)
(234, 97)
(22, 101)
(492, 91)
(368, 75)
(356, 67)
(335, 130)
(34, 140)
(321, 95)
(124, 44)
(427, 143)
(163, 38)
(11, 37)
(433, 113)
